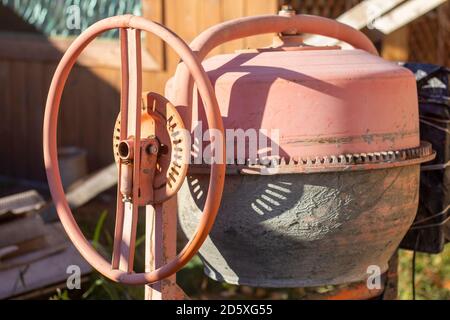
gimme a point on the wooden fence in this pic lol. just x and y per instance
(91, 99)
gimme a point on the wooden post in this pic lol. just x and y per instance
(154, 10)
(443, 44)
(396, 45)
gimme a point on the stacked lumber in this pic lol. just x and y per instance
(33, 254)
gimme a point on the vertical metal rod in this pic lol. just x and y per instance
(161, 247)
(120, 209)
(133, 129)
(131, 105)
(154, 248)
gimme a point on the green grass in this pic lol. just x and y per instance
(432, 275)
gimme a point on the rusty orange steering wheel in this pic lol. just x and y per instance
(137, 151)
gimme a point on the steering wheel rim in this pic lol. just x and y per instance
(51, 158)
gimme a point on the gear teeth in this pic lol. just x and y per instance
(348, 158)
(408, 153)
(344, 159)
(391, 155)
(362, 158)
(403, 155)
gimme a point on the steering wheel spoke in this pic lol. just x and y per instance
(130, 148)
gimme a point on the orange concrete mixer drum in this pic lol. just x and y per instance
(341, 189)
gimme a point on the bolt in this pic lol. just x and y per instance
(287, 11)
(151, 149)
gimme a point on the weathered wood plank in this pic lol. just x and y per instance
(18, 125)
(210, 12)
(233, 10)
(358, 17)
(21, 230)
(404, 14)
(20, 203)
(41, 273)
(35, 101)
(100, 53)
(443, 50)
(7, 113)
(395, 46)
(154, 10)
(108, 109)
(257, 7)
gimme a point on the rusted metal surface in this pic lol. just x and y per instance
(160, 119)
(304, 229)
(354, 291)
